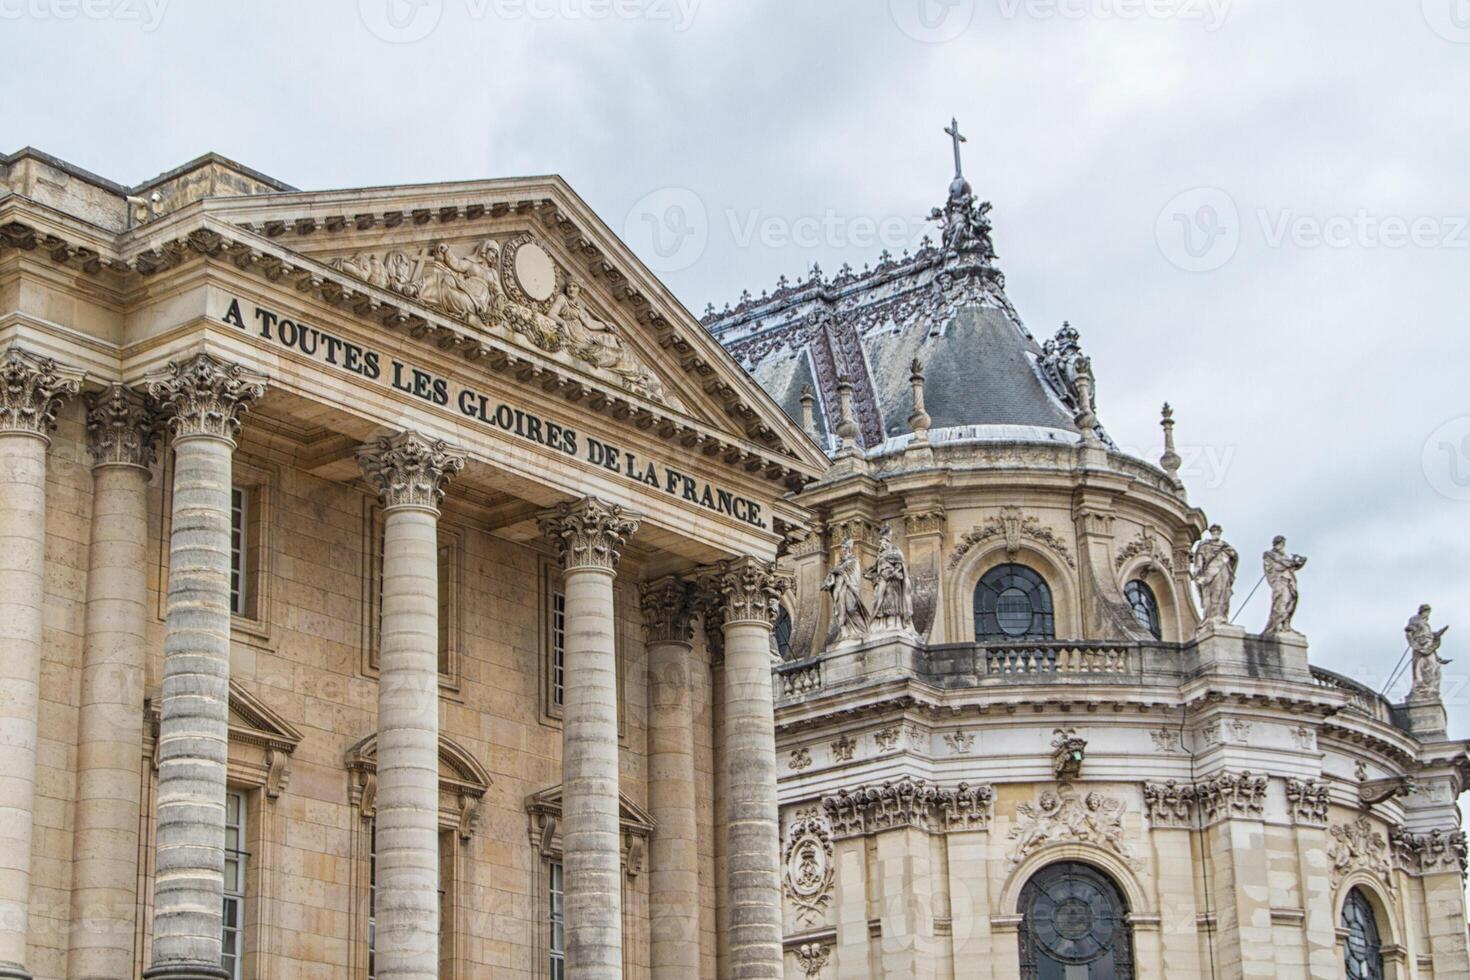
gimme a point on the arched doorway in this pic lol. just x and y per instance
(1074, 926)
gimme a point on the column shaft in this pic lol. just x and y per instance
(408, 749)
(109, 767)
(674, 853)
(22, 560)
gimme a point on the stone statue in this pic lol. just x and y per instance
(850, 618)
(1424, 641)
(1281, 569)
(893, 598)
(1214, 574)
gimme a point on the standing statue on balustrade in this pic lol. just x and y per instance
(1214, 573)
(850, 619)
(893, 594)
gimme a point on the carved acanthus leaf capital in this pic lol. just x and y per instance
(588, 533)
(668, 610)
(31, 390)
(204, 396)
(408, 470)
(122, 427)
(743, 590)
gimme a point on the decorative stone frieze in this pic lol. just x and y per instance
(122, 427)
(924, 522)
(1147, 545)
(1437, 852)
(588, 533)
(886, 739)
(960, 742)
(1063, 815)
(668, 610)
(800, 759)
(1308, 801)
(908, 802)
(1165, 740)
(31, 391)
(1013, 526)
(1359, 846)
(1374, 791)
(1170, 804)
(744, 590)
(807, 869)
(1304, 738)
(1232, 795)
(204, 396)
(842, 749)
(408, 470)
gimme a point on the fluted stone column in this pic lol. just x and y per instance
(674, 854)
(746, 592)
(588, 535)
(409, 473)
(121, 432)
(31, 389)
(204, 399)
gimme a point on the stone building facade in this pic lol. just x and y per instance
(1012, 743)
(386, 589)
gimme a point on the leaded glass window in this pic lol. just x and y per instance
(1074, 926)
(1012, 602)
(1362, 948)
(1145, 606)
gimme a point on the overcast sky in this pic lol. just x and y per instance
(1255, 209)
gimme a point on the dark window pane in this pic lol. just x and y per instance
(1074, 926)
(1012, 602)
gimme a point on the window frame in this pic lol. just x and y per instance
(239, 895)
(451, 546)
(553, 663)
(1121, 950)
(993, 584)
(1357, 908)
(1155, 624)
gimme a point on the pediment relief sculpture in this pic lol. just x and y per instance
(512, 285)
(1060, 816)
(637, 826)
(1359, 846)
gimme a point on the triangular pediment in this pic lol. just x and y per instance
(630, 815)
(526, 261)
(252, 720)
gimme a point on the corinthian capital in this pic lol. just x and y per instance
(204, 396)
(122, 427)
(589, 533)
(668, 610)
(408, 470)
(31, 390)
(744, 590)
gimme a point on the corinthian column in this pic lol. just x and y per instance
(674, 854)
(204, 399)
(31, 389)
(746, 594)
(409, 473)
(121, 432)
(588, 534)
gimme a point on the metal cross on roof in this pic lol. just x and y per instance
(953, 132)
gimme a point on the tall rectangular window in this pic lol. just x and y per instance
(558, 646)
(556, 922)
(231, 950)
(239, 550)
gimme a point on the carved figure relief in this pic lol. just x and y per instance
(850, 617)
(1065, 816)
(909, 802)
(1308, 801)
(893, 596)
(1435, 852)
(807, 865)
(800, 759)
(1358, 845)
(511, 285)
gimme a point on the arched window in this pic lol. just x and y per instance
(1013, 603)
(1145, 606)
(1074, 926)
(1362, 948)
(782, 634)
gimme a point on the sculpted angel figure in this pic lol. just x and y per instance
(1281, 569)
(850, 619)
(1424, 641)
(1214, 573)
(893, 599)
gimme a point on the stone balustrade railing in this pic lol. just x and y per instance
(798, 679)
(1061, 658)
(1361, 698)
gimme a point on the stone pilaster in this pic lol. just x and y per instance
(745, 593)
(204, 399)
(588, 535)
(122, 429)
(408, 472)
(674, 853)
(31, 390)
